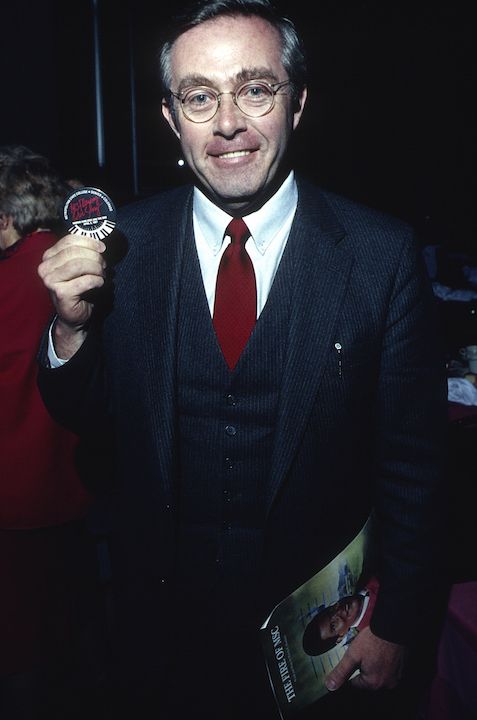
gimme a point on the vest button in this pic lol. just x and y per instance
(230, 400)
(228, 465)
(230, 430)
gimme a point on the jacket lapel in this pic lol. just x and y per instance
(159, 274)
(322, 266)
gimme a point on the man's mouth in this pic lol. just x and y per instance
(235, 154)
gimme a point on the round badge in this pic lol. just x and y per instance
(90, 212)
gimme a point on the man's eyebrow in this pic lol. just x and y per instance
(193, 80)
(255, 73)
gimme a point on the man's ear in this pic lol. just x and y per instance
(4, 221)
(298, 107)
(170, 116)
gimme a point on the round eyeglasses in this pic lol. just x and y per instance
(254, 98)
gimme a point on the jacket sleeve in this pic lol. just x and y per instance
(411, 457)
(74, 393)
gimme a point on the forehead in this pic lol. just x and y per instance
(227, 49)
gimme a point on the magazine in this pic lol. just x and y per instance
(308, 632)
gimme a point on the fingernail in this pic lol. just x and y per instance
(330, 684)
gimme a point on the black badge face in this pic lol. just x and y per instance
(90, 212)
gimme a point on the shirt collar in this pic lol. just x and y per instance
(12, 249)
(365, 594)
(264, 224)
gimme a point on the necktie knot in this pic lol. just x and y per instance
(238, 231)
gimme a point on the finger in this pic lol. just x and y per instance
(68, 293)
(341, 673)
(79, 241)
(71, 268)
(374, 681)
(70, 261)
(362, 681)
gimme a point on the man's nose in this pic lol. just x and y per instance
(229, 119)
(338, 623)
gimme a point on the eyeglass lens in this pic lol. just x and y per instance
(253, 99)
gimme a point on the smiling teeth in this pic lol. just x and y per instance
(237, 153)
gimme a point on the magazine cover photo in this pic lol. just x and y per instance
(307, 634)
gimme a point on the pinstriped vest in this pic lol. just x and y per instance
(226, 429)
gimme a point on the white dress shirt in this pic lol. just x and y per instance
(269, 228)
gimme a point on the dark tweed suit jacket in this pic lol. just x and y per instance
(360, 424)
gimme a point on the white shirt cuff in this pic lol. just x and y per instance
(53, 358)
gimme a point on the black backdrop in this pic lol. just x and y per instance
(390, 119)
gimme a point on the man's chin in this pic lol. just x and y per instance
(243, 200)
(233, 200)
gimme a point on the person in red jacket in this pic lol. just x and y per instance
(42, 500)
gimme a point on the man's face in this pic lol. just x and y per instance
(234, 157)
(338, 618)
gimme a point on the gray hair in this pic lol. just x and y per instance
(31, 192)
(293, 53)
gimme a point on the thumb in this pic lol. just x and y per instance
(341, 673)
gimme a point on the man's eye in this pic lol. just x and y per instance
(255, 92)
(199, 99)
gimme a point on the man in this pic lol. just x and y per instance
(341, 621)
(227, 460)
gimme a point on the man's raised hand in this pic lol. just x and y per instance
(69, 269)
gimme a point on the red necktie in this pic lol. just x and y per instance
(235, 308)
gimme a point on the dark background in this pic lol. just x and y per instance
(390, 120)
